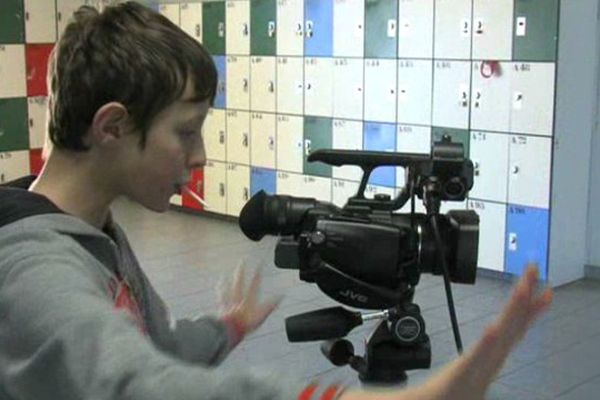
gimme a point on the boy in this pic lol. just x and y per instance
(129, 92)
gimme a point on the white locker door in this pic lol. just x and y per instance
(36, 109)
(419, 207)
(290, 21)
(348, 28)
(237, 21)
(13, 165)
(238, 137)
(415, 88)
(492, 29)
(262, 137)
(348, 91)
(347, 135)
(532, 108)
(529, 171)
(40, 21)
(489, 153)
(12, 71)
(262, 84)
(318, 89)
(290, 85)
(290, 184)
(451, 94)
(490, 96)
(238, 82)
(342, 190)
(214, 135)
(415, 28)
(238, 188)
(380, 90)
(413, 139)
(492, 233)
(65, 10)
(289, 143)
(191, 19)
(215, 188)
(453, 29)
(171, 11)
(452, 205)
(316, 187)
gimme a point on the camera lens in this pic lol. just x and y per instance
(454, 189)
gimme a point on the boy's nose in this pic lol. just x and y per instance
(197, 157)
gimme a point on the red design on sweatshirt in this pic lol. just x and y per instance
(124, 300)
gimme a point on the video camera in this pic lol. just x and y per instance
(367, 256)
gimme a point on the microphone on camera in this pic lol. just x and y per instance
(328, 323)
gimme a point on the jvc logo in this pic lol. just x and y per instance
(349, 294)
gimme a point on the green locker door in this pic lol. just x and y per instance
(12, 22)
(213, 27)
(263, 37)
(457, 135)
(535, 33)
(381, 28)
(317, 135)
(14, 134)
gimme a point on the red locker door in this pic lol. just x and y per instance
(35, 161)
(197, 186)
(37, 67)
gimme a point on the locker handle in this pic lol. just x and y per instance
(199, 186)
(245, 140)
(221, 189)
(245, 84)
(31, 122)
(299, 29)
(476, 167)
(245, 29)
(307, 146)
(271, 87)
(246, 194)
(309, 29)
(221, 29)
(221, 137)
(271, 143)
(271, 29)
(198, 30)
(26, 15)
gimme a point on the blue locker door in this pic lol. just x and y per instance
(318, 28)
(262, 179)
(221, 86)
(381, 137)
(526, 239)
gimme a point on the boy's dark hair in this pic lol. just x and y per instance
(129, 54)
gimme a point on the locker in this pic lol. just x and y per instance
(191, 19)
(490, 104)
(529, 171)
(13, 125)
(36, 110)
(238, 137)
(381, 137)
(532, 102)
(492, 231)
(371, 190)
(413, 139)
(262, 84)
(40, 21)
(415, 29)
(380, 90)
(35, 161)
(12, 22)
(12, 71)
(215, 189)
(213, 26)
(347, 135)
(237, 20)
(290, 85)
(220, 98)
(489, 153)
(171, 11)
(535, 34)
(263, 17)
(318, 87)
(290, 184)
(262, 139)
(342, 190)
(263, 179)
(290, 143)
(64, 13)
(381, 31)
(318, 134)
(453, 29)
(197, 186)
(214, 135)
(37, 56)
(316, 187)
(452, 205)
(348, 28)
(492, 29)
(290, 18)
(415, 88)
(348, 91)
(457, 135)
(238, 79)
(238, 188)
(451, 94)
(318, 32)
(526, 239)
(13, 165)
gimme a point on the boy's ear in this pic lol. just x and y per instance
(110, 123)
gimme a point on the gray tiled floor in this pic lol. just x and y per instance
(186, 256)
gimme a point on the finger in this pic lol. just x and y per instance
(263, 311)
(223, 292)
(254, 288)
(237, 293)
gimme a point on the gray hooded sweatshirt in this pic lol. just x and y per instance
(62, 338)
